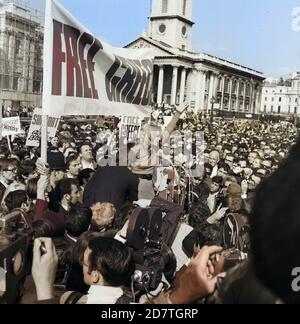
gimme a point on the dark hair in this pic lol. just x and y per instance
(15, 199)
(63, 187)
(78, 220)
(112, 259)
(4, 150)
(225, 166)
(241, 287)
(218, 180)
(207, 169)
(70, 159)
(275, 228)
(43, 228)
(31, 188)
(81, 245)
(85, 175)
(26, 168)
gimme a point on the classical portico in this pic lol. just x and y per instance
(181, 74)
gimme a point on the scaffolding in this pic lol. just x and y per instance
(21, 53)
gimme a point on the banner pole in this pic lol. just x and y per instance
(8, 143)
(47, 77)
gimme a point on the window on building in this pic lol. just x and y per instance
(296, 110)
(280, 90)
(279, 109)
(265, 108)
(184, 7)
(296, 100)
(18, 46)
(266, 98)
(226, 85)
(290, 100)
(279, 99)
(164, 6)
(272, 109)
(272, 99)
(289, 109)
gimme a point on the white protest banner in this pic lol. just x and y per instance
(34, 133)
(130, 127)
(89, 77)
(11, 126)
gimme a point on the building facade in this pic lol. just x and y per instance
(21, 55)
(281, 97)
(180, 74)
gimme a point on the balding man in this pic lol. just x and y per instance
(213, 160)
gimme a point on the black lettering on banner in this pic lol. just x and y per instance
(79, 72)
(130, 81)
(111, 80)
(148, 88)
(137, 83)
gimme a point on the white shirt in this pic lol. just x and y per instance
(214, 172)
(98, 295)
(87, 165)
(212, 201)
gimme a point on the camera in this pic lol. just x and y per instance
(236, 233)
(15, 239)
(152, 257)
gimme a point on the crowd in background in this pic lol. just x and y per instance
(85, 208)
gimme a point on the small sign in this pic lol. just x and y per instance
(34, 134)
(11, 126)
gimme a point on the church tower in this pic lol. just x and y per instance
(171, 23)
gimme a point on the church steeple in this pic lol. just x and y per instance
(171, 23)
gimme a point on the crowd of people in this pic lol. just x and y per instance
(80, 210)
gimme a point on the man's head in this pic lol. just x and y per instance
(223, 170)
(214, 158)
(107, 262)
(8, 170)
(257, 163)
(229, 159)
(78, 220)
(86, 153)
(57, 175)
(252, 156)
(17, 199)
(73, 166)
(54, 141)
(67, 191)
(103, 215)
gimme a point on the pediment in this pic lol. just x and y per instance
(149, 43)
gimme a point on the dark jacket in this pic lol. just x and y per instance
(115, 185)
(57, 219)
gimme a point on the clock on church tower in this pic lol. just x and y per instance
(171, 23)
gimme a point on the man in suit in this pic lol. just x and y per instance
(115, 185)
(8, 174)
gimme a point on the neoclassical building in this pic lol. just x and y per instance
(181, 74)
(281, 98)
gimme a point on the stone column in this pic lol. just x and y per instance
(251, 97)
(174, 85)
(211, 92)
(230, 93)
(258, 100)
(245, 91)
(200, 90)
(222, 92)
(237, 104)
(182, 85)
(160, 87)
